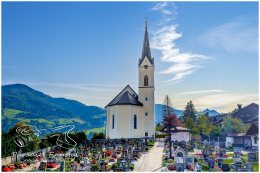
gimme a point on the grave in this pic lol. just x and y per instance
(252, 157)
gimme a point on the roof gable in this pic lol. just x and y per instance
(126, 97)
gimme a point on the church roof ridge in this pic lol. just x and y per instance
(126, 98)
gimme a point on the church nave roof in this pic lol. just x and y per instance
(126, 97)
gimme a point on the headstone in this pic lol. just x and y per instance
(249, 167)
(252, 157)
(189, 160)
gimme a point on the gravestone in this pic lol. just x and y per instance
(249, 167)
(189, 160)
(252, 157)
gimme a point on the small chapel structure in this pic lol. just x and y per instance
(131, 115)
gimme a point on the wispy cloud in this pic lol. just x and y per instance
(201, 92)
(225, 102)
(164, 39)
(238, 35)
(168, 11)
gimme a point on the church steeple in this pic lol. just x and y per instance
(146, 52)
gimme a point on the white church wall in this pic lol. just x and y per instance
(124, 122)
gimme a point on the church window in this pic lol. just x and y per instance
(135, 121)
(145, 80)
(146, 98)
(146, 66)
(146, 134)
(113, 121)
(146, 113)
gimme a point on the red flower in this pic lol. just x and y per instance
(171, 167)
(109, 153)
(52, 165)
(6, 169)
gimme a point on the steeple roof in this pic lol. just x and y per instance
(146, 52)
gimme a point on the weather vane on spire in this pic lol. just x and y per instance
(146, 22)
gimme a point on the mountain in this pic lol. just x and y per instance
(209, 112)
(22, 103)
(158, 113)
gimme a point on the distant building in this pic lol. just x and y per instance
(131, 115)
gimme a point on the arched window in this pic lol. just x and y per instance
(113, 121)
(145, 80)
(135, 121)
(146, 113)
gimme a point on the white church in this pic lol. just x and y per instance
(131, 115)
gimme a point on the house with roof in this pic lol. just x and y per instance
(178, 133)
(131, 115)
(247, 114)
(244, 140)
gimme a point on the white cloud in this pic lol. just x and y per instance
(164, 39)
(168, 11)
(239, 35)
(201, 92)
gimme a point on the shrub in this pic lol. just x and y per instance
(114, 166)
(205, 167)
(170, 161)
(132, 166)
(94, 168)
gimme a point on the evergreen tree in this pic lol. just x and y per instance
(190, 111)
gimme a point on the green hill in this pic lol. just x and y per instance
(22, 103)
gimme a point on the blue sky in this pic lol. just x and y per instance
(206, 52)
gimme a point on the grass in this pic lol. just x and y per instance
(95, 130)
(256, 167)
(11, 113)
(228, 161)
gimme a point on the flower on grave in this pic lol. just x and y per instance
(6, 169)
(109, 153)
(171, 167)
(84, 155)
(114, 155)
(93, 162)
(52, 165)
(225, 155)
(112, 160)
(12, 167)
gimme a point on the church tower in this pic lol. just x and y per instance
(146, 87)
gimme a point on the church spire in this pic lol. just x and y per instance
(146, 52)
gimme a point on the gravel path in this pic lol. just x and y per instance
(152, 161)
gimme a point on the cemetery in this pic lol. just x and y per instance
(94, 155)
(203, 157)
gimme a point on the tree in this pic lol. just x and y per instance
(171, 122)
(204, 124)
(190, 111)
(167, 108)
(20, 136)
(233, 125)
